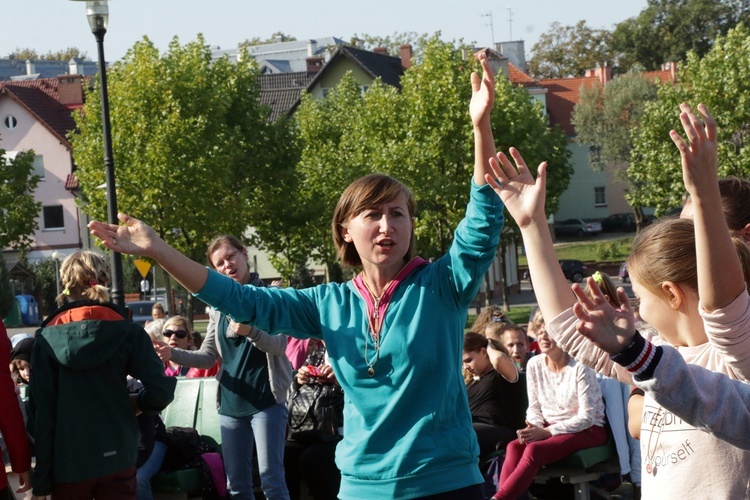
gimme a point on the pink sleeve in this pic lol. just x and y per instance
(728, 330)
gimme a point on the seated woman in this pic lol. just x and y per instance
(312, 460)
(497, 400)
(566, 414)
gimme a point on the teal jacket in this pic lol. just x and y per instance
(82, 420)
(407, 428)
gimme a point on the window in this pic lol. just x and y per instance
(53, 217)
(600, 196)
(10, 122)
(39, 166)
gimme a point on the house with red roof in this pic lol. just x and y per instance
(591, 194)
(36, 114)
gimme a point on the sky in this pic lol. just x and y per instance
(53, 25)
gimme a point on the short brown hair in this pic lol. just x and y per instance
(220, 240)
(367, 192)
(735, 193)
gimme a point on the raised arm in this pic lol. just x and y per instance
(135, 237)
(480, 108)
(720, 277)
(524, 199)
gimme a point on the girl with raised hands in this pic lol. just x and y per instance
(394, 333)
(724, 302)
(679, 460)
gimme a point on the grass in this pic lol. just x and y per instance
(588, 251)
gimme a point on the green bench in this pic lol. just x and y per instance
(582, 467)
(194, 405)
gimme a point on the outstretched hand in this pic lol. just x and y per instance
(522, 195)
(612, 330)
(482, 93)
(700, 153)
(134, 237)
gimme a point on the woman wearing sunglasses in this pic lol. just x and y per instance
(177, 334)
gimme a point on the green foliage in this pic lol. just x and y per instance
(6, 291)
(566, 51)
(59, 55)
(45, 286)
(18, 209)
(606, 117)
(191, 143)
(302, 278)
(613, 249)
(422, 136)
(277, 37)
(394, 42)
(721, 80)
(666, 30)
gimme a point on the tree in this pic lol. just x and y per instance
(422, 136)
(45, 286)
(277, 37)
(606, 118)
(566, 51)
(721, 80)
(393, 42)
(60, 55)
(18, 208)
(6, 291)
(190, 141)
(666, 30)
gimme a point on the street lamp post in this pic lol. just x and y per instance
(97, 12)
(56, 257)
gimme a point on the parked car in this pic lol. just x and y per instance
(624, 275)
(141, 311)
(574, 270)
(578, 227)
(619, 223)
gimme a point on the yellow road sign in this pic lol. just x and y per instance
(143, 266)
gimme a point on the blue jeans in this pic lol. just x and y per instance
(148, 470)
(267, 429)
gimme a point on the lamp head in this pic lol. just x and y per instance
(98, 13)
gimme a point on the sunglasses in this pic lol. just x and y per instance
(181, 334)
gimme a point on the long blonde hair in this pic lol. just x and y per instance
(84, 275)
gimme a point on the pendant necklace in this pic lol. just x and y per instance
(375, 324)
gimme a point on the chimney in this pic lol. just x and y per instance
(604, 74)
(30, 69)
(670, 66)
(406, 56)
(314, 64)
(312, 47)
(70, 90)
(515, 52)
(381, 50)
(73, 67)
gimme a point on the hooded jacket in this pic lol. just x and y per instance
(83, 419)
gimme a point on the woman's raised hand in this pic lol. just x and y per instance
(700, 152)
(134, 237)
(522, 195)
(482, 93)
(610, 329)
